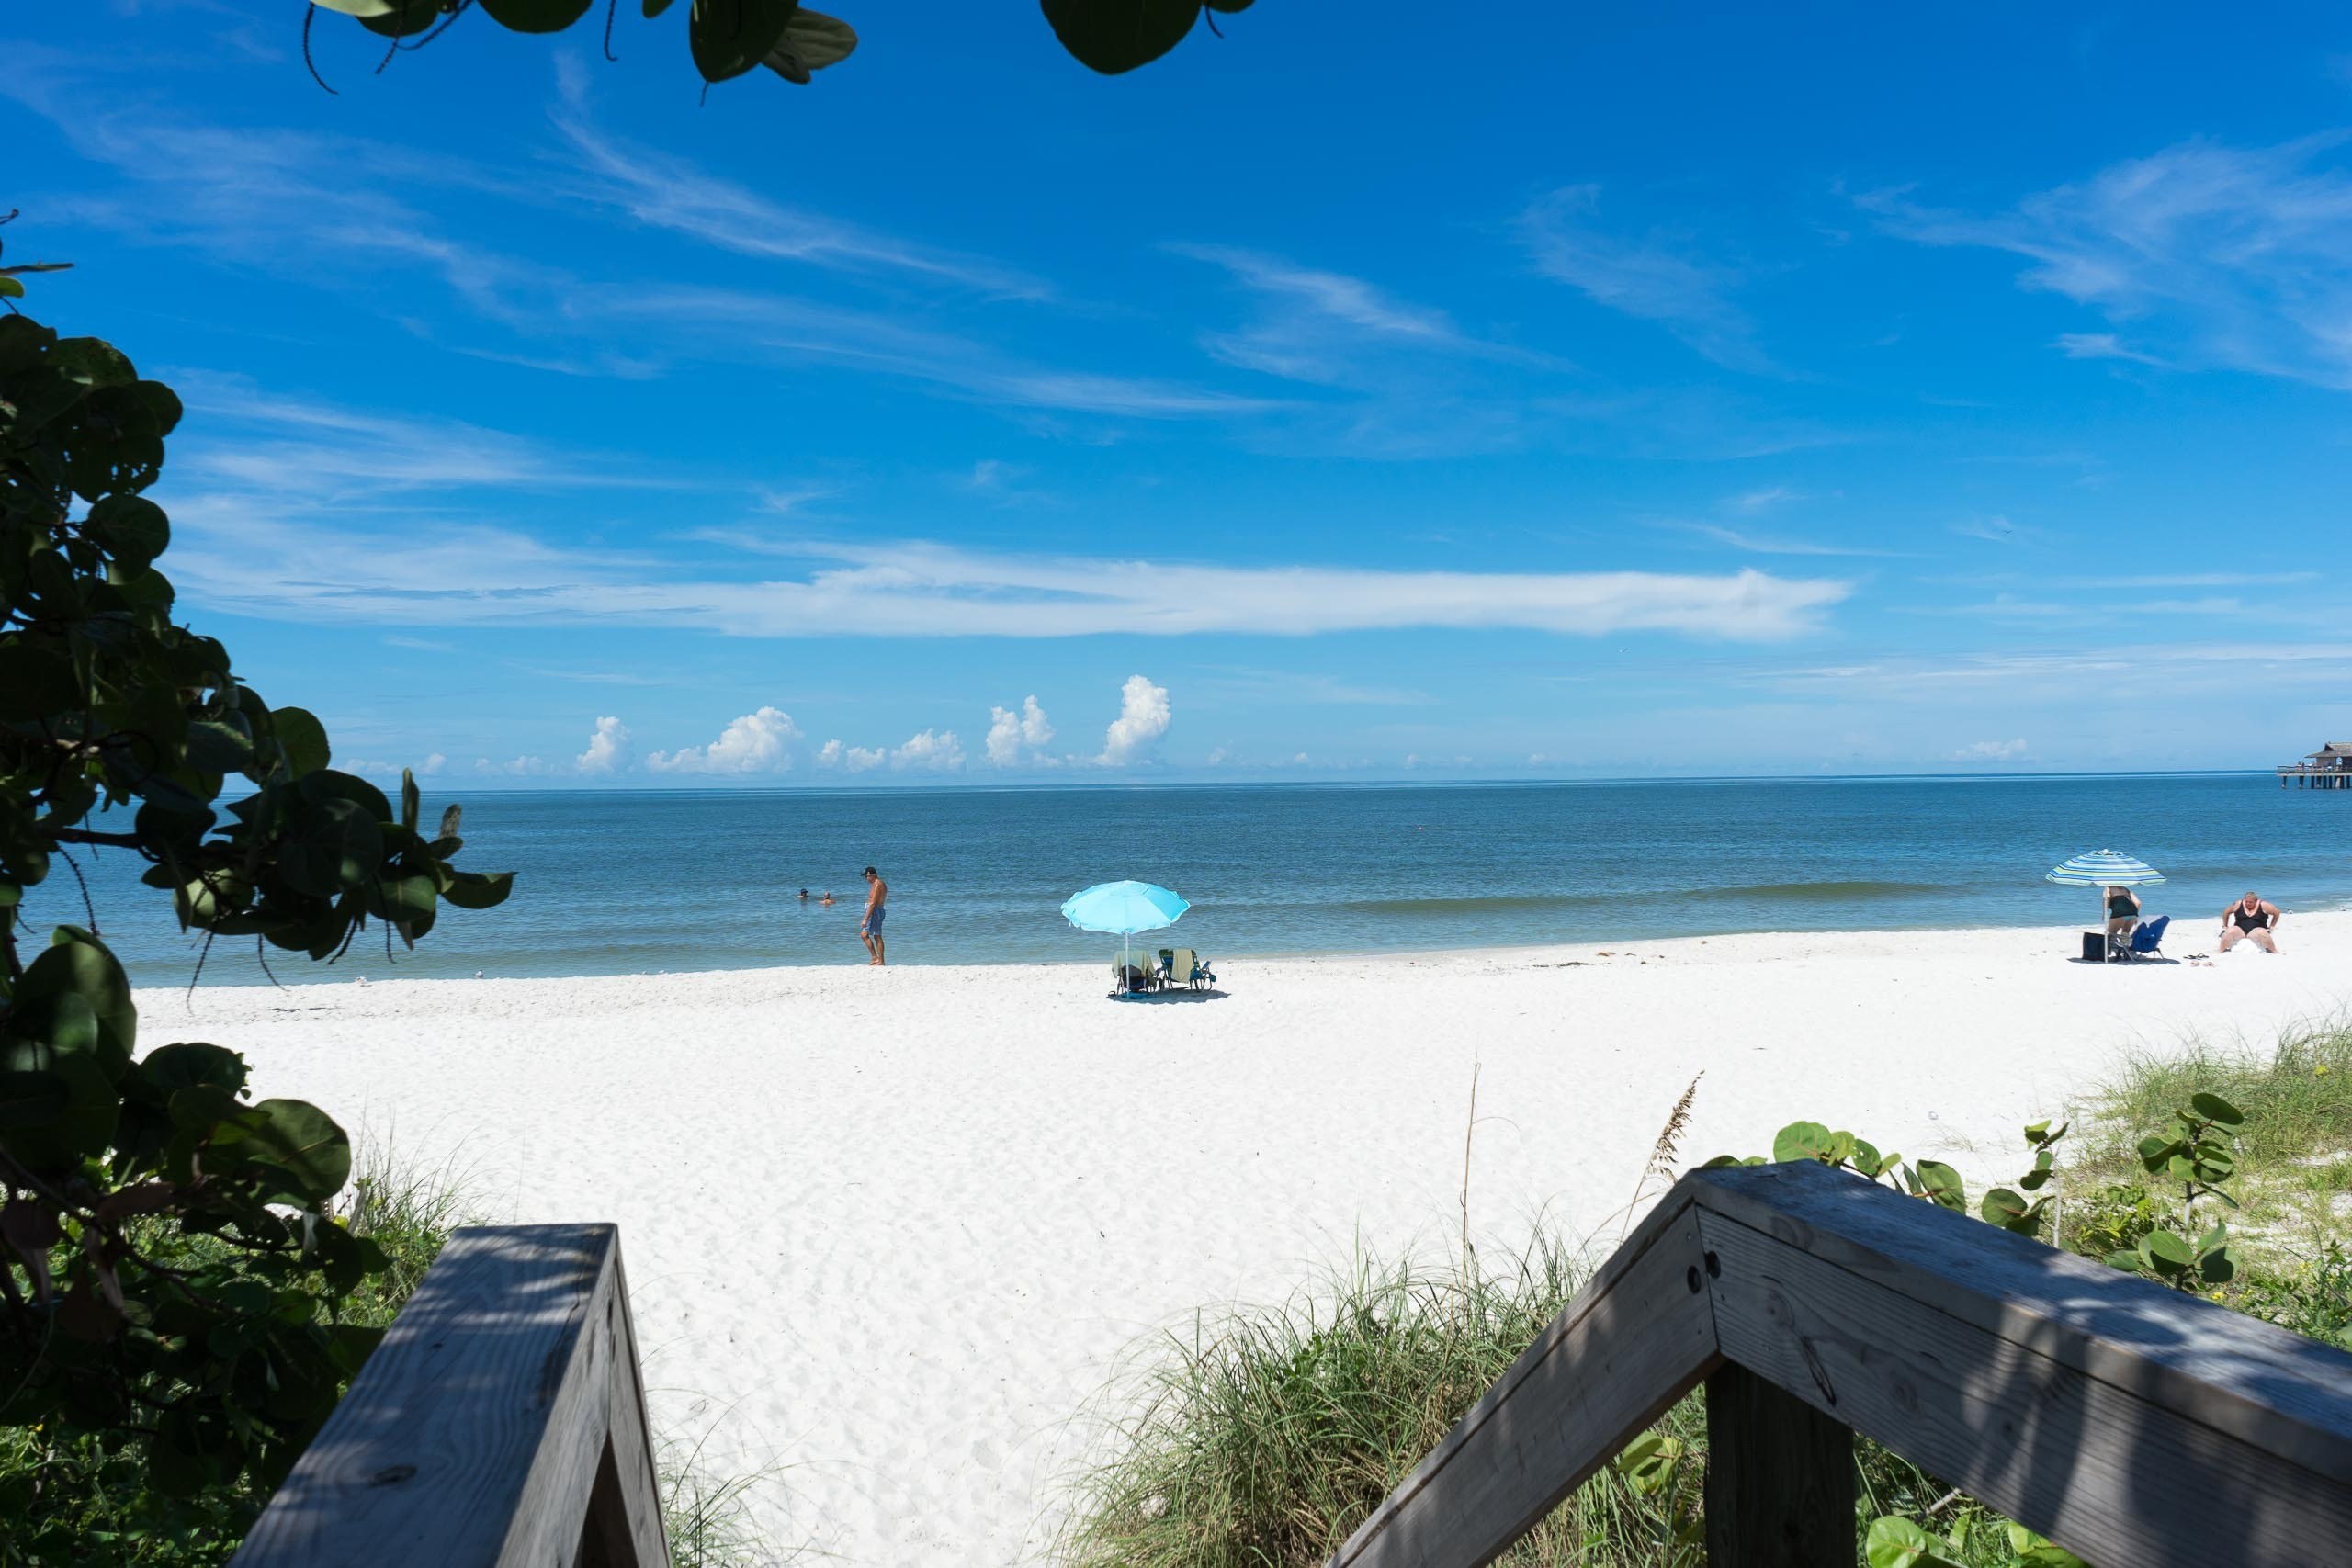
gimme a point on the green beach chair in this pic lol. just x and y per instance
(1183, 966)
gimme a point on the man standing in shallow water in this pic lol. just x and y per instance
(870, 927)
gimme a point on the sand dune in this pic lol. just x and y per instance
(893, 1228)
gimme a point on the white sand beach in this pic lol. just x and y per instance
(892, 1229)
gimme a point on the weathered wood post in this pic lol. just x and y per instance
(1779, 1478)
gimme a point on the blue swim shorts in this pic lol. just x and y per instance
(873, 921)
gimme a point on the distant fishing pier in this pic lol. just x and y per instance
(2329, 767)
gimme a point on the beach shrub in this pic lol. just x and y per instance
(75, 1497)
(729, 38)
(181, 1302)
(2293, 1149)
(1931, 1179)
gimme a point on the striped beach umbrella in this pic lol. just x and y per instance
(2103, 869)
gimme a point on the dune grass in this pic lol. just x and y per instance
(1264, 1436)
(1261, 1438)
(2294, 1155)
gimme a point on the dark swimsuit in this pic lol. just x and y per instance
(2257, 921)
(2120, 908)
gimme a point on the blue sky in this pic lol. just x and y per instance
(1845, 388)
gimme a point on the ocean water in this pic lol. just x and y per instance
(639, 881)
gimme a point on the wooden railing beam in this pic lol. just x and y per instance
(2127, 1422)
(2102, 1468)
(501, 1424)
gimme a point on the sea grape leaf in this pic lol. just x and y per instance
(337, 846)
(77, 963)
(729, 36)
(1800, 1141)
(2216, 1110)
(479, 890)
(536, 15)
(303, 1141)
(1112, 36)
(301, 740)
(1941, 1183)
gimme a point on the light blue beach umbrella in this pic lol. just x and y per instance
(2104, 868)
(1124, 907)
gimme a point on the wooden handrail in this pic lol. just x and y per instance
(501, 1424)
(2130, 1423)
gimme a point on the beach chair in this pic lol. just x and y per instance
(1137, 977)
(1183, 966)
(2145, 939)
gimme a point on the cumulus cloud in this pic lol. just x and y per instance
(520, 767)
(934, 751)
(434, 764)
(1989, 751)
(1009, 731)
(1143, 720)
(758, 742)
(607, 749)
(856, 759)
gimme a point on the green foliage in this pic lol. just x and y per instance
(1931, 1179)
(72, 1496)
(2314, 1297)
(2293, 1154)
(728, 37)
(1975, 1537)
(2200, 1155)
(179, 1305)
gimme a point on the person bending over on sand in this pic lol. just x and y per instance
(2122, 911)
(2251, 916)
(870, 927)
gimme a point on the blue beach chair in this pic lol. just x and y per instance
(2145, 939)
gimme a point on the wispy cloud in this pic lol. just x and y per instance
(672, 193)
(1774, 543)
(2008, 607)
(1656, 277)
(448, 575)
(2231, 256)
(243, 437)
(1995, 530)
(352, 216)
(2193, 579)
(1314, 325)
(1294, 688)
(2103, 345)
